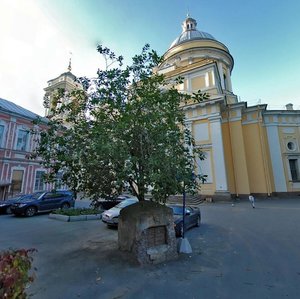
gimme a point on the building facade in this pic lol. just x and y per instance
(18, 174)
(248, 149)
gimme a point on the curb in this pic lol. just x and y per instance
(74, 218)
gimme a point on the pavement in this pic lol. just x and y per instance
(238, 252)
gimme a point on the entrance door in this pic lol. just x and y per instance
(16, 182)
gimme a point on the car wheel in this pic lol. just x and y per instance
(30, 211)
(65, 206)
(198, 221)
(8, 210)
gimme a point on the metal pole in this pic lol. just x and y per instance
(184, 245)
(183, 210)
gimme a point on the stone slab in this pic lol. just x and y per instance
(60, 217)
(75, 218)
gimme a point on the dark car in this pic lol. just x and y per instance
(192, 218)
(46, 201)
(110, 202)
(6, 204)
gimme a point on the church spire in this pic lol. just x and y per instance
(70, 63)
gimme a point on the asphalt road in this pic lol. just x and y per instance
(238, 252)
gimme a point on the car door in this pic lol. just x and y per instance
(50, 201)
(188, 217)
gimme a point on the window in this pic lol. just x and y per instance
(294, 169)
(22, 140)
(225, 81)
(54, 195)
(39, 180)
(291, 146)
(1, 134)
(16, 182)
(58, 181)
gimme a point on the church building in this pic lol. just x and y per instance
(248, 149)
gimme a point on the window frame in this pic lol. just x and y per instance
(41, 180)
(294, 173)
(26, 145)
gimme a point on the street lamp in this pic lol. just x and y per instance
(184, 244)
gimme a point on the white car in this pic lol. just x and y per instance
(111, 216)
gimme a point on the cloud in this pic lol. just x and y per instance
(32, 50)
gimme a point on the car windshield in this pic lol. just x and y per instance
(177, 210)
(36, 195)
(126, 202)
(19, 197)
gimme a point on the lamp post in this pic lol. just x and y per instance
(184, 245)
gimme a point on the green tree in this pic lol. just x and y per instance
(125, 128)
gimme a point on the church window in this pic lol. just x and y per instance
(294, 169)
(291, 146)
(225, 82)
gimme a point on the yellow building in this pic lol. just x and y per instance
(67, 82)
(248, 149)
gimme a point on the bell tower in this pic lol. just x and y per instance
(66, 81)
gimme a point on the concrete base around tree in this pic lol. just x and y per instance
(146, 230)
(74, 218)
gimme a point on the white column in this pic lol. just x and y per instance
(276, 159)
(218, 154)
(188, 84)
(229, 85)
(189, 126)
(220, 68)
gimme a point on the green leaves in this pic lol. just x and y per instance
(14, 273)
(125, 130)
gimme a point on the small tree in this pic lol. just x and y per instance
(125, 128)
(14, 273)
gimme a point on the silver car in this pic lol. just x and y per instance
(111, 216)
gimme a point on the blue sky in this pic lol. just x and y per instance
(37, 36)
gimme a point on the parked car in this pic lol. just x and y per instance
(192, 218)
(6, 204)
(110, 202)
(43, 202)
(111, 216)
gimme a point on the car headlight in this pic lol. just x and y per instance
(2, 204)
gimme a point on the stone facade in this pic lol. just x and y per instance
(146, 229)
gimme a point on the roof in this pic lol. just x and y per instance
(190, 33)
(11, 107)
(68, 74)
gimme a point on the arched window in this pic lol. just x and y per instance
(225, 81)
